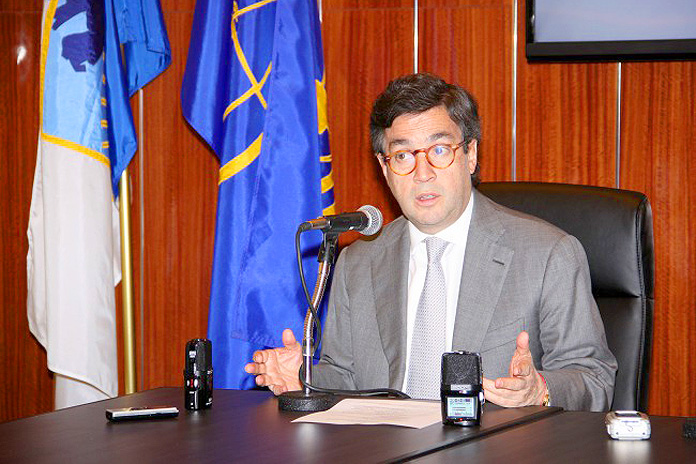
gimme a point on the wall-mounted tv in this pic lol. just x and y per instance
(611, 30)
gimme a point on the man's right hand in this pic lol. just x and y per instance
(278, 368)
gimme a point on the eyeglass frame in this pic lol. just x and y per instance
(425, 151)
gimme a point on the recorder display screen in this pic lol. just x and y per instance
(461, 407)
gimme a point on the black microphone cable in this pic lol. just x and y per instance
(315, 316)
(317, 324)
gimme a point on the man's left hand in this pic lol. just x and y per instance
(524, 386)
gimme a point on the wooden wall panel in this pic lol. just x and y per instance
(469, 42)
(180, 191)
(566, 119)
(22, 359)
(658, 140)
(366, 44)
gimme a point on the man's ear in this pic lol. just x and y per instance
(472, 156)
(382, 164)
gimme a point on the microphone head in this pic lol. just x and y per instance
(374, 219)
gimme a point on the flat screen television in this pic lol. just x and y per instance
(611, 30)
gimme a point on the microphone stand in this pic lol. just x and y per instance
(306, 400)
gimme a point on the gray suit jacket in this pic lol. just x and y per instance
(520, 273)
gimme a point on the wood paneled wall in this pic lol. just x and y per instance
(470, 43)
(180, 191)
(351, 28)
(658, 142)
(28, 386)
(566, 132)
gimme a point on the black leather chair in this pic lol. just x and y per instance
(615, 228)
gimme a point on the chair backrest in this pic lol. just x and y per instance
(615, 228)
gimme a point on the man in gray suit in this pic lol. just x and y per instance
(456, 272)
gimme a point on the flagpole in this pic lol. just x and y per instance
(127, 285)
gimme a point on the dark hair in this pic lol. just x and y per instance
(417, 93)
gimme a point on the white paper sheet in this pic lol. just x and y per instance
(357, 411)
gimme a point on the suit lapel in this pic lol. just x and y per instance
(390, 280)
(486, 264)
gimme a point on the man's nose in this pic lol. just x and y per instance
(424, 172)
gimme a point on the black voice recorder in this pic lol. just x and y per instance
(461, 388)
(198, 374)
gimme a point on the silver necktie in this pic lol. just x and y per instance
(429, 332)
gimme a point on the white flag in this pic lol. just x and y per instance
(72, 263)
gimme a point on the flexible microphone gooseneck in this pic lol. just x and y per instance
(368, 221)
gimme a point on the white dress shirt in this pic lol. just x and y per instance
(452, 264)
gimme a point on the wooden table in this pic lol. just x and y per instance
(571, 438)
(242, 426)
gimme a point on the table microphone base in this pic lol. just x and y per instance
(299, 401)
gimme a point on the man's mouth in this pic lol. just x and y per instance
(426, 197)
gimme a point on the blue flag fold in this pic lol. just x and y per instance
(138, 26)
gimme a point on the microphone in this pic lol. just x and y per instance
(461, 388)
(198, 374)
(367, 220)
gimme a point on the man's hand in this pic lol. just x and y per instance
(524, 387)
(278, 368)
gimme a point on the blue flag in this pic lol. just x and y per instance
(138, 26)
(254, 90)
